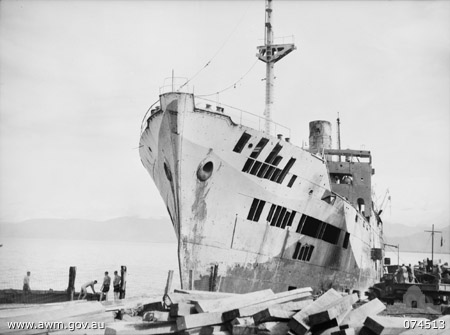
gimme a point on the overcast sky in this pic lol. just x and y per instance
(78, 76)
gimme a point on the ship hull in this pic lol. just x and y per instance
(250, 211)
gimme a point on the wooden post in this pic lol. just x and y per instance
(169, 282)
(191, 280)
(71, 287)
(123, 284)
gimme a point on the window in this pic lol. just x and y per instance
(331, 234)
(248, 164)
(346, 240)
(273, 154)
(261, 144)
(242, 142)
(285, 171)
(361, 205)
(255, 210)
(297, 250)
(311, 226)
(291, 182)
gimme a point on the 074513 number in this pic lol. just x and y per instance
(424, 324)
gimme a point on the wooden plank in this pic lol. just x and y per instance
(205, 294)
(140, 328)
(157, 316)
(25, 310)
(209, 330)
(199, 320)
(182, 308)
(357, 317)
(381, 325)
(333, 310)
(294, 305)
(153, 306)
(277, 299)
(273, 328)
(245, 321)
(439, 326)
(299, 322)
(130, 303)
(365, 331)
(244, 330)
(347, 331)
(272, 314)
(226, 304)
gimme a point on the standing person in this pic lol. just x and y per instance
(26, 282)
(84, 287)
(116, 284)
(105, 286)
(410, 270)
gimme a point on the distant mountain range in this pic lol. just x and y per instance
(410, 238)
(415, 239)
(118, 229)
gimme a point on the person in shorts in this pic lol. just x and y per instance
(105, 287)
(83, 292)
(116, 283)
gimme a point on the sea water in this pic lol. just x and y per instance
(147, 263)
(48, 261)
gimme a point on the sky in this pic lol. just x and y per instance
(76, 78)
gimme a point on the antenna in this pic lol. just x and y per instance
(271, 53)
(339, 134)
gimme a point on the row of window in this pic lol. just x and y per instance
(303, 253)
(313, 227)
(282, 217)
(267, 169)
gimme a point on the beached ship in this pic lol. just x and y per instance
(252, 210)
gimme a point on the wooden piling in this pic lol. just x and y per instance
(123, 284)
(169, 282)
(71, 287)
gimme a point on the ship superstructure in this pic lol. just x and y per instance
(252, 210)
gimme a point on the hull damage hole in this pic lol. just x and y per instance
(205, 171)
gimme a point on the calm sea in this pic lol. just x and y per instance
(49, 261)
(147, 263)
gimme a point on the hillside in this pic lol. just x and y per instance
(415, 239)
(118, 229)
(160, 230)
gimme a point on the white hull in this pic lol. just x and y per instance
(223, 243)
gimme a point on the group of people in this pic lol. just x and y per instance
(426, 271)
(117, 284)
(404, 274)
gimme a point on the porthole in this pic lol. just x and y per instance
(205, 171)
(167, 171)
(250, 145)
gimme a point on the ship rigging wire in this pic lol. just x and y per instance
(232, 85)
(217, 52)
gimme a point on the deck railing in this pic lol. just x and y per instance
(241, 117)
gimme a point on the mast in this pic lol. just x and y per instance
(271, 53)
(432, 231)
(339, 134)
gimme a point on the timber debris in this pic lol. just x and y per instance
(264, 312)
(182, 312)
